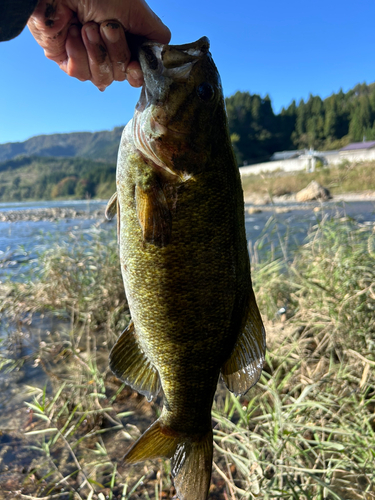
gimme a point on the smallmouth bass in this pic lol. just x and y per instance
(184, 260)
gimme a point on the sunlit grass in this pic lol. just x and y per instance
(344, 178)
(306, 431)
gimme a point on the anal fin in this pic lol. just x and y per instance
(154, 215)
(244, 367)
(131, 365)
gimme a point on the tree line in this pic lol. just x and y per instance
(29, 177)
(257, 132)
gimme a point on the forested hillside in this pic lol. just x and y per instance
(321, 124)
(29, 177)
(83, 163)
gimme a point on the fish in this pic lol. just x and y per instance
(184, 260)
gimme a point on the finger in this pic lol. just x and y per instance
(113, 35)
(99, 61)
(49, 24)
(134, 15)
(143, 21)
(134, 74)
(77, 64)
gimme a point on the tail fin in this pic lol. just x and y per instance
(191, 458)
(191, 468)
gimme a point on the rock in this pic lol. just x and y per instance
(262, 200)
(257, 199)
(314, 191)
(282, 210)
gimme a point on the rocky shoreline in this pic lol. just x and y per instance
(49, 214)
(258, 199)
(278, 204)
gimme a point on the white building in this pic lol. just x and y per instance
(290, 161)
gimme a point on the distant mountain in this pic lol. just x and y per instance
(94, 145)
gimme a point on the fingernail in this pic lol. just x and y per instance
(74, 31)
(112, 32)
(93, 33)
(135, 73)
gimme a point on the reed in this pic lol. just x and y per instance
(305, 431)
(344, 178)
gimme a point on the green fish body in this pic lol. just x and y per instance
(184, 260)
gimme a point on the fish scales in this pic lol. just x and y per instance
(184, 260)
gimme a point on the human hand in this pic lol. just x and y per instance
(87, 39)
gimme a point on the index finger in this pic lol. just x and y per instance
(135, 16)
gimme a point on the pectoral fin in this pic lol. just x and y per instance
(154, 215)
(111, 208)
(131, 365)
(243, 368)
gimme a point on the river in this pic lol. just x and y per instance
(21, 241)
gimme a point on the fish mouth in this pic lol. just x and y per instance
(164, 64)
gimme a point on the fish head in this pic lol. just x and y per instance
(174, 117)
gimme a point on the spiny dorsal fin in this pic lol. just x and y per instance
(131, 365)
(154, 215)
(243, 368)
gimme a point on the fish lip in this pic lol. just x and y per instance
(161, 63)
(201, 46)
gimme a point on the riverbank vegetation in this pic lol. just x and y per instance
(306, 431)
(49, 178)
(339, 179)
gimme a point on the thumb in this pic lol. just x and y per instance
(145, 22)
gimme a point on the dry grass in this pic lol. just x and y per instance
(344, 178)
(306, 431)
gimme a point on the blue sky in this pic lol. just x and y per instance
(287, 49)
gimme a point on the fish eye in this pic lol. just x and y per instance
(205, 91)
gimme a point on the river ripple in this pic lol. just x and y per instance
(266, 226)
